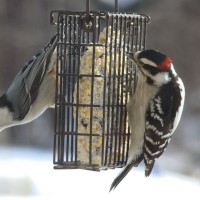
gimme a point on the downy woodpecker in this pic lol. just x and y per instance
(154, 111)
(33, 89)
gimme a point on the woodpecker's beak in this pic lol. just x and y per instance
(130, 55)
(133, 56)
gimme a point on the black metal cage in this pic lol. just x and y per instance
(93, 74)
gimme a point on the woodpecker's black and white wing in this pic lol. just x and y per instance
(24, 89)
(162, 117)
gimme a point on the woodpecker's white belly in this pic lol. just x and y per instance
(137, 107)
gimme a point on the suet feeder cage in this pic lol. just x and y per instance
(92, 77)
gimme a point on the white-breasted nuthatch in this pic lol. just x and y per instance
(33, 89)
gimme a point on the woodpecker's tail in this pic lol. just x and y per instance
(125, 171)
(121, 176)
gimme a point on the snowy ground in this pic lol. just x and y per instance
(28, 174)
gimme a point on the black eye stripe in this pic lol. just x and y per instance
(151, 70)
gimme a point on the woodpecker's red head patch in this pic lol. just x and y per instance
(165, 64)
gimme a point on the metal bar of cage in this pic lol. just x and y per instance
(77, 142)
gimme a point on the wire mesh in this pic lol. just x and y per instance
(93, 74)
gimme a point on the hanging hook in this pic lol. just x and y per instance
(88, 10)
(116, 6)
(87, 19)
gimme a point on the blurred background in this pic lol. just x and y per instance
(26, 151)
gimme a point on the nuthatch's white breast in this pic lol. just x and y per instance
(33, 89)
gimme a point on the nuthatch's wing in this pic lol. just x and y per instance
(24, 89)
